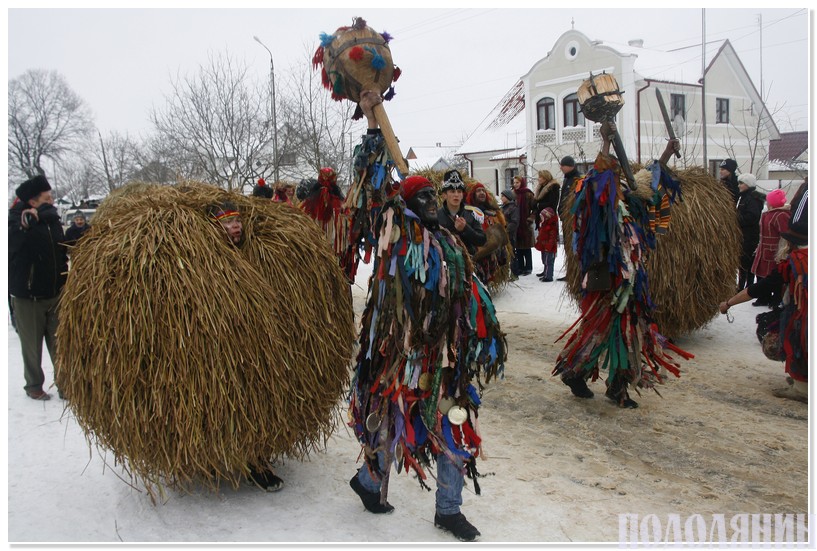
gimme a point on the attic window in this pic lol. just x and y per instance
(572, 50)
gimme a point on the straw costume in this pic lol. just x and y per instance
(203, 358)
(614, 228)
(429, 340)
(492, 260)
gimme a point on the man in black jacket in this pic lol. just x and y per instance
(37, 270)
(453, 215)
(729, 177)
(571, 173)
(749, 208)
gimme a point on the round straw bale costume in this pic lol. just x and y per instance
(612, 236)
(202, 359)
(429, 334)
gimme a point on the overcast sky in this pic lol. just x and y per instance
(456, 63)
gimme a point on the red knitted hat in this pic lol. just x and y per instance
(412, 185)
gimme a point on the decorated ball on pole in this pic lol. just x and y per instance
(356, 58)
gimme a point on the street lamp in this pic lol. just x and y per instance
(272, 105)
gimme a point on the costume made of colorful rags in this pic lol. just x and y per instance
(614, 229)
(324, 204)
(372, 187)
(494, 256)
(429, 340)
(794, 317)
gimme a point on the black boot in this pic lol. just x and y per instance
(578, 386)
(458, 525)
(371, 500)
(266, 480)
(617, 392)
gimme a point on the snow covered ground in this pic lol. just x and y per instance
(560, 469)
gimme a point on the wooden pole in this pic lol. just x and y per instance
(391, 140)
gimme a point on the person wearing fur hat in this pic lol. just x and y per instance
(773, 222)
(749, 208)
(38, 264)
(453, 215)
(428, 330)
(261, 189)
(729, 177)
(612, 237)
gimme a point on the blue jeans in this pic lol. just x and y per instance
(548, 259)
(449, 483)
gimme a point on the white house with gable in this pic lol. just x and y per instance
(539, 120)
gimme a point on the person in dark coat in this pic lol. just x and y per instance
(729, 177)
(525, 237)
(453, 215)
(37, 268)
(749, 208)
(78, 228)
(571, 173)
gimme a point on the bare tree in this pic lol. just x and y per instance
(214, 124)
(317, 130)
(750, 129)
(76, 179)
(116, 159)
(46, 119)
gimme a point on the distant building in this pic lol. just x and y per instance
(540, 120)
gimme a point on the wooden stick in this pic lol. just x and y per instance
(391, 140)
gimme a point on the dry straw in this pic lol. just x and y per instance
(694, 266)
(191, 359)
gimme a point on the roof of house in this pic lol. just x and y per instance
(790, 146)
(504, 127)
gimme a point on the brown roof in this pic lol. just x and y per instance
(790, 146)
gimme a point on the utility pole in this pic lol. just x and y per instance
(703, 82)
(272, 108)
(760, 28)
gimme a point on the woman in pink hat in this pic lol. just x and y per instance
(772, 223)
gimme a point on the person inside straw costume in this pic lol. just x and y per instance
(614, 227)
(226, 214)
(429, 332)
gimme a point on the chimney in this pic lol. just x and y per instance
(636, 43)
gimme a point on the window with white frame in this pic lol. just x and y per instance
(572, 111)
(546, 114)
(678, 106)
(721, 110)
